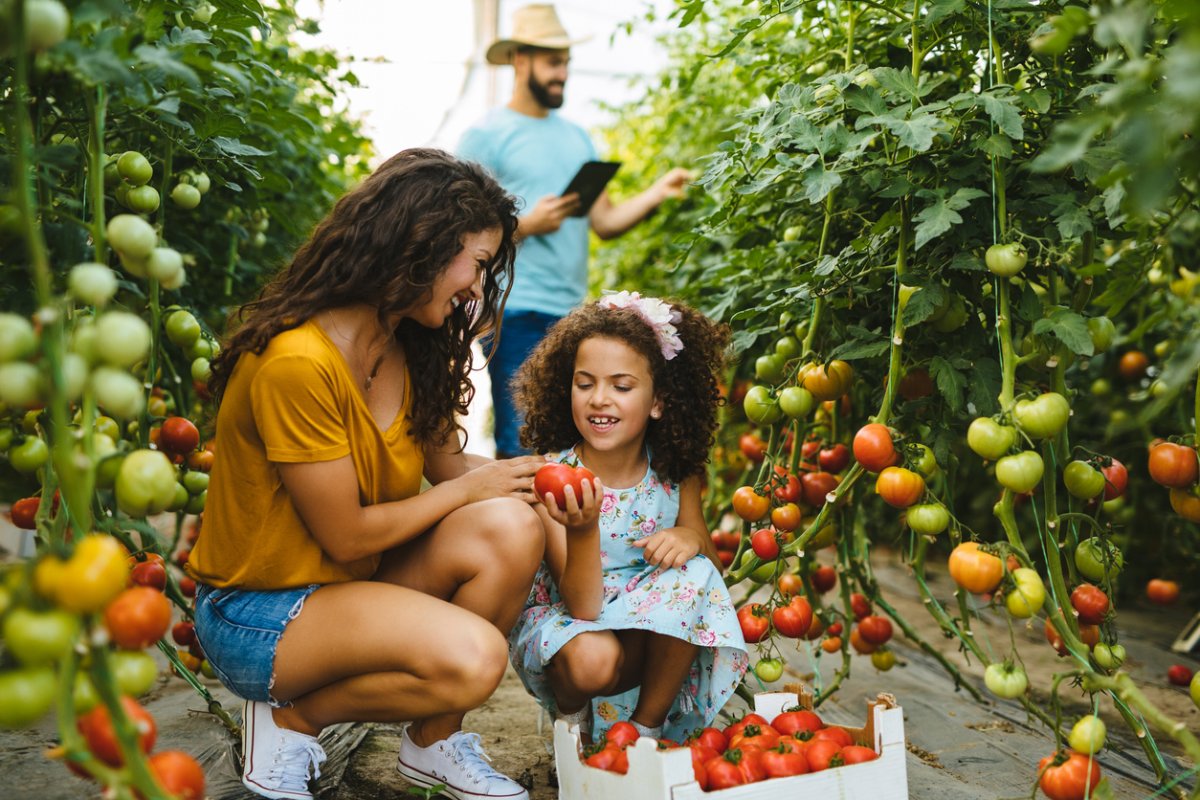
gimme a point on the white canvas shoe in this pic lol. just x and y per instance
(460, 764)
(277, 761)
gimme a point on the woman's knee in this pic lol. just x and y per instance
(469, 668)
(591, 663)
(513, 531)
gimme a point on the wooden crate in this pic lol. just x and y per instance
(667, 775)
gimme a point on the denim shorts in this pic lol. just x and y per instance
(239, 631)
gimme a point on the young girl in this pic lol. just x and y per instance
(628, 617)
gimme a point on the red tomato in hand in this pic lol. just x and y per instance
(554, 478)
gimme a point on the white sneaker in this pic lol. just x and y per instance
(460, 764)
(277, 761)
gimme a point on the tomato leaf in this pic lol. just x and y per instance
(924, 303)
(950, 382)
(862, 343)
(942, 214)
(1069, 328)
(1004, 114)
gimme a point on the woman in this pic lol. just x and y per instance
(331, 589)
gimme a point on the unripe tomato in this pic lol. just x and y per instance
(1186, 504)
(1173, 465)
(143, 199)
(93, 576)
(1088, 735)
(182, 329)
(1098, 560)
(185, 196)
(1006, 260)
(17, 337)
(769, 670)
(927, 519)
(1162, 592)
(20, 384)
(796, 402)
(29, 456)
(826, 382)
(164, 265)
(873, 447)
(760, 406)
(134, 168)
(899, 487)
(122, 338)
(1005, 680)
(145, 483)
(131, 236)
(36, 638)
(1108, 656)
(1194, 689)
(975, 570)
(1083, 480)
(46, 24)
(135, 672)
(883, 659)
(1101, 330)
(769, 368)
(786, 517)
(1021, 472)
(1043, 417)
(1028, 594)
(989, 439)
(25, 695)
(118, 392)
(201, 370)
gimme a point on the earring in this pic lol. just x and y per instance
(655, 414)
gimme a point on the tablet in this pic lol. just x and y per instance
(589, 182)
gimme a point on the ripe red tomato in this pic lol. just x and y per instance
(149, 573)
(184, 633)
(610, 758)
(621, 734)
(179, 774)
(816, 485)
(726, 557)
(760, 736)
(824, 578)
(1090, 602)
(860, 605)
(749, 719)
(915, 384)
(752, 447)
(138, 617)
(1162, 592)
(1179, 675)
(786, 517)
(1133, 365)
(178, 436)
(723, 773)
(832, 644)
(754, 621)
(97, 729)
(875, 630)
(554, 478)
(835, 629)
(873, 447)
(187, 586)
(899, 487)
(1173, 465)
(839, 736)
(799, 719)
(726, 540)
(765, 543)
(789, 489)
(857, 754)
(816, 630)
(23, 512)
(781, 762)
(1115, 479)
(810, 449)
(860, 645)
(708, 737)
(834, 459)
(1067, 775)
(749, 504)
(790, 584)
(794, 619)
(822, 754)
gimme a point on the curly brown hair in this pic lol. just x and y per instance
(384, 244)
(687, 384)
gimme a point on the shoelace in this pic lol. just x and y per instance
(293, 751)
(467, 749)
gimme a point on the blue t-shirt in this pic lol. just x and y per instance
(533, 157)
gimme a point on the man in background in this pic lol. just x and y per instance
(534, 152)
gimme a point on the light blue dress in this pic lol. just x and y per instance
(690, 603)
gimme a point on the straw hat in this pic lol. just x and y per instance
(535, 26)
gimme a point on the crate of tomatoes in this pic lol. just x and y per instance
(781, 749)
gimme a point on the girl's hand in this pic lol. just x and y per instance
(582, 513)
(512, 477)
(671, 547)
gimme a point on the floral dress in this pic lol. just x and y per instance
(690, 602)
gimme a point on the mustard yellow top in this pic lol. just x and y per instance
(295, 403)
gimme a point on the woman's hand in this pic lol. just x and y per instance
(511, 477)
(582, 513)
(670, 547)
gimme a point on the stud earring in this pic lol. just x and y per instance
(655, 414)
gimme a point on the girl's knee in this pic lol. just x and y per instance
(591, 664)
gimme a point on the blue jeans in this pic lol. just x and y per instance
(520, 333)
(239, 631)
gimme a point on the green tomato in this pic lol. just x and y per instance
(203, 348)
(195, 481)
(764, 572)
(85, 697)
(135, 671)
(17, 339)
(1028, 594)
(131, 236)
(146, 483)
(1083, 480)
(164, 264)
(1043, 417)
(135, 168)
(1021, 472)
(1088, 735)
(1108, 656)
(201, 370)
(787, 347)
(760, 406)
(122, 339)
(1005, 680)
(29, 456)
(180, 500)
(25, 695)
(46, 24)
(91, 283)
(769, 670)
(883, 659)
(769, 368)
(39, 637)
(792, 233)
(926, 462)
(1102, 331)
(1006, 260)
(1194, 689)
(198, 179)
(143, 199)
(927, 519)
(20, 384)
(989, 439)
(107, 470)
(185, 196)
(118, 393)
(1101, 387)
(953, 317)
(196, 503)
(107, 426)
(797, 402)
(1098, 560)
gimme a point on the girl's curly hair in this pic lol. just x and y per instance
(384, 244)
(687, 384)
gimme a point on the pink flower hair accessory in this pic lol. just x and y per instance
(657, 314)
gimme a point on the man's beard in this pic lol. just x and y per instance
(542, 94)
